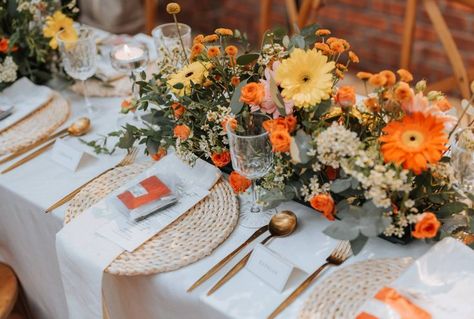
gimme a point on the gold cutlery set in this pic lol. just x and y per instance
(282, 224)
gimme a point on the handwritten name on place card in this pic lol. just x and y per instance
(269, 267)
(66, 155)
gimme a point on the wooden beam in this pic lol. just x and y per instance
(150, 15)
(292, 13)
(408, 32)
(449, 45)
(265, 7)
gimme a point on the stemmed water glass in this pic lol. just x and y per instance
(462, 160)
(252, 157)
(79, 58)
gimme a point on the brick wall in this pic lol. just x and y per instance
(373, 27)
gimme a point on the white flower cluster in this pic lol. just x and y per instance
(314, 189)
(278, 176)
(336, 143)
(271, 52)
(183, 152)
(215, 134)
(443, 173)
(398, 227)
(466, 140)
(8, 70)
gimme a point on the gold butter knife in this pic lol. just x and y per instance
(227, 258)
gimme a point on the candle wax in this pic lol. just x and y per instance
(127, 53)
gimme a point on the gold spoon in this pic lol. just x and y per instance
(73, 126)
(80, 127)
(282, 224)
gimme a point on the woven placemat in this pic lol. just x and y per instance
(38, 125)
(118, 88)
(190, 238)
(341, 294)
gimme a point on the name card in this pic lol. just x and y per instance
(270, 267)
(66, 155)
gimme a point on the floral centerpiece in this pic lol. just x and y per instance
(377, 166)
(27, 38)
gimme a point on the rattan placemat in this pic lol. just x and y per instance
(38, 125)
(190, 238)
(341, 294)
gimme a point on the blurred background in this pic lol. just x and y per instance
(374, 28)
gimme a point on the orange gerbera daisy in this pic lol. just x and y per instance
(414, 141)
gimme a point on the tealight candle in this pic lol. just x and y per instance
(128, 53)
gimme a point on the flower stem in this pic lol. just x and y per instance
(180, 39)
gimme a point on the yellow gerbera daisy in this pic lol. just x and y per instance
(305, 77)
(56, 23)
(195, 72)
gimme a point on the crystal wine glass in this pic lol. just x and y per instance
(79, 58)
(252, 157)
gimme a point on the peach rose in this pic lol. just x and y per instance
(221, 159)
(405, 75)
(238, 182)
(159, 155)
(443, 105)
(403, 92)
(427, 226)
(252, 93)
(345, 96)
(182, 132)
(178, 109)
(324, 204)
(280, 140)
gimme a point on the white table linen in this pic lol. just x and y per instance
(27, 242)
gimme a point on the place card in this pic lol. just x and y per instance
(66, 155)
(270, 267)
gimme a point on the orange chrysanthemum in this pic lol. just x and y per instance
(212, 52)
(364, 76)
(231, 50)
(210, 38)
(414, 141)
(322, 32)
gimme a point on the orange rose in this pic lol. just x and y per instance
(291, 123)
(390, 77)
(377, 80)
(182, 132)
(345, 96)
(238, 182)
(403, 92)
(127, 105)
(232, 121)
(280, 140)
(364, 76)
(443, 105)
(274, 125)
(252, 93)
(221, 159)
(331, 173)
(159, 155)
(178, 109)
(405, 75)
(4, 45)
(212, 52)
(235, 80)
(324, 204)
(231, 50)
(427, 226)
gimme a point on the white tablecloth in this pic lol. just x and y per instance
(27, 243)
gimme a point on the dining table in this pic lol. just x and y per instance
(28, 244)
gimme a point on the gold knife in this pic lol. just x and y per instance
(227, 258)
(31, 146)
(30, 156)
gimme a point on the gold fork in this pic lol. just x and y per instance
(127, 160)
(339, 255)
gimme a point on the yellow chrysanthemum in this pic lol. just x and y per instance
(195, 72)
(305, 77)
(56, 23)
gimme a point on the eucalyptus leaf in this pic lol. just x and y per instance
(323, 108)
(341, 230)
(450, 208)
(358, 243)
(235, 104)
(299, 147)
(247, 58)
(340, 185)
